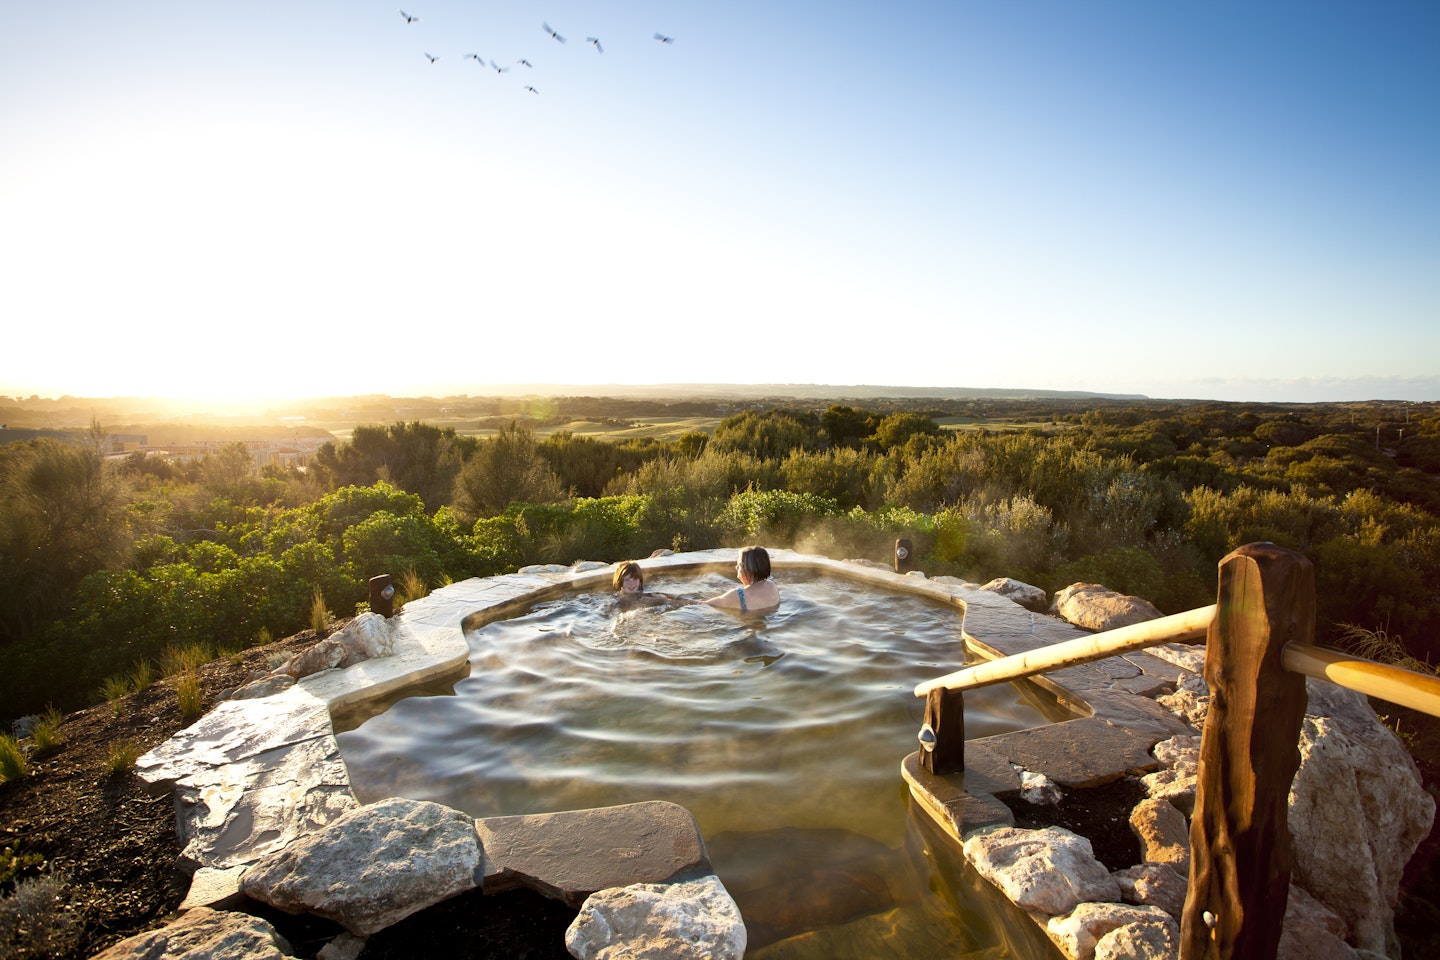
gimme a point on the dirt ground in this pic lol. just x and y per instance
(115, 845)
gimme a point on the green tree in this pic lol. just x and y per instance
(504, 470)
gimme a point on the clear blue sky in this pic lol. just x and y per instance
(1236, 201)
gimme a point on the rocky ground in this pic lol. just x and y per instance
(115, 849)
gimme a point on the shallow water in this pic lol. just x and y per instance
(782, 733)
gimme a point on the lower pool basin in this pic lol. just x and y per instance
(782, 733)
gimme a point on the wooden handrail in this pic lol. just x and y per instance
(1418, 691)
(1189, 625)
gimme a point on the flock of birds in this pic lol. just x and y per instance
(522, 62)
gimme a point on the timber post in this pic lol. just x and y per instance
(1240, 854)
(942, 738)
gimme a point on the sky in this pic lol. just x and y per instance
(1210, 200)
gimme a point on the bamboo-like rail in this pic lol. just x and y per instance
(1190, 625)
(1418, 691)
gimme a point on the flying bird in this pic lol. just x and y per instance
(432, 58)
(408, 18)
(497, 67)
(526, 62)
(553, 34)
(664, 39)
(531, 89)
(476, 57)
(595, 42)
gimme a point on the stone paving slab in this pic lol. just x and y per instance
(572, 854)
(234, 731)
(1079, 753)
(962, 803)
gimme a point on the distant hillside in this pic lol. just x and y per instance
(798, 391)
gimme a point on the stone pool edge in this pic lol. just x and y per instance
(253, 776)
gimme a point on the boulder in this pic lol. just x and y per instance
(1154, 885)
(367, 636)
(569, 855)
(1030, 597)
(1190, 701)
(204, 934)
(689, 920)
(373, 866)
(1172, 787)
(1357, 812)
(1094, 607)
(1152, 940)
(1078, 932)
(266, 686)
(1163, 833)
(1046, 871)
(324, 655)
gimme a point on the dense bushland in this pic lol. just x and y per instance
(109, 565)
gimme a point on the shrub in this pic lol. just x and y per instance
(13, 762)
(773, 516)
(35, 921)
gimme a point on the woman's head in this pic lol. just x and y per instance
(629, 571)
(754, 563)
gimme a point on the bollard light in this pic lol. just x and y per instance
(927, 738)
(903, 555)
(382, 595)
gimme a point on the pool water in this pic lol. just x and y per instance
(782, 733)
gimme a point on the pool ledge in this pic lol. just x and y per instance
(252, 776)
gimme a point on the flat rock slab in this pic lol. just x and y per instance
(235, 730)
(962, 802)
(570, 855)
(236, 814)
(1077, 753)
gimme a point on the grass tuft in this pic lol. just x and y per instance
(177, 660)
(121, 757)
(13, 762)
(1382, 646)
(46, 733)
(411, 587)
(320, 615)
(187, 692)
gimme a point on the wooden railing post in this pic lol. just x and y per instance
(944, 751)
(1240, 855)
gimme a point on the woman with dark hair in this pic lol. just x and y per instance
(756, 591)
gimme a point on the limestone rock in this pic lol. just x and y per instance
(266, 686)
(1154, 885)
(347, 946)
(367, 636)
(1190, 701)
(584, 566)
(569, 855)
(324, 655)
(1078, 932)
(664, 921)
(1181, 753)
(1357, 812)
(1095, 607)
(1028, 596)
(204, 934)
(534, 568)
(373, 866)
(1048, 871)
(1176, 790)
(1163, 833)
(1152, 940)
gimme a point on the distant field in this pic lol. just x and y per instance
(659, 428)
(994, 426)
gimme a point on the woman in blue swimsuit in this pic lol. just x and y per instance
(757, 591)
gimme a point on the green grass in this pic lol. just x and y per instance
(1383, 647)
(320, 615)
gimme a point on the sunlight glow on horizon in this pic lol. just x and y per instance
(1019, 198)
